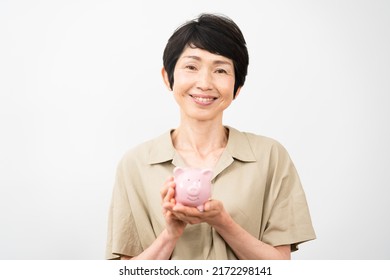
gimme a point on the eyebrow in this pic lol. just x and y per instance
(217, 62)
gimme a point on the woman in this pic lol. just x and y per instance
(258, 208)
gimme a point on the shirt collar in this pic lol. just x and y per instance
(162, 149)
(238, 147)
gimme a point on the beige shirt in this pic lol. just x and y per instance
(254, 178)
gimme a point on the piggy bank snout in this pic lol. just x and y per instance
(193, 189)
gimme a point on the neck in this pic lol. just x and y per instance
(200, 137)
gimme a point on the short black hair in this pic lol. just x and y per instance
(214, 33)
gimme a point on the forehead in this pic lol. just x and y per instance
(203, 55)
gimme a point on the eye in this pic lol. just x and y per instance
(190, 67)
(221, 71)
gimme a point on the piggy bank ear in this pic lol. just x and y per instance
(207, 173)
(177, 171)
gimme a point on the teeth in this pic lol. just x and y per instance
(203, 99)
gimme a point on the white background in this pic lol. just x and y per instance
(80, 84)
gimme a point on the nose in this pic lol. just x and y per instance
(204, 80)
(194, 189)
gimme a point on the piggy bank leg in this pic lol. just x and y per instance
(200, 208)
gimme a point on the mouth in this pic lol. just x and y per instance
(192, 198)
(203, 100)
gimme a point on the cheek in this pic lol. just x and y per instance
(226, 86)
(181, 81)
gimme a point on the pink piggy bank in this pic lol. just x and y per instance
(193, 186)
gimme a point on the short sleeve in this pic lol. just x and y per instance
(122, 236)
(289, 220)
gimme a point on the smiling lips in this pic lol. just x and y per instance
(203, 100)
(193, 198)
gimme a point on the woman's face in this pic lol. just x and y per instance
(203, 84)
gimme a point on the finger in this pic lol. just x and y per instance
(213, 205)
(185, 211)
(163, 191)
(169, 202)
(169, 184)
(169, 180)
(170, 193)
(167, 206)
(208, 206)
(187, 219)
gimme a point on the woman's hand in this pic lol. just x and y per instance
(214, 213)
(175, 227)
(242, 243)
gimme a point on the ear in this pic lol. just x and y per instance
(237, 92)
(177, 171)
(207, 173)
(164, 75)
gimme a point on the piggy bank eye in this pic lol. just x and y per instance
(188, 179)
